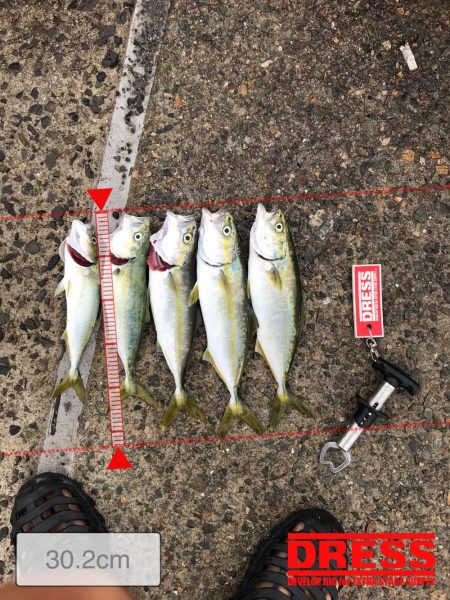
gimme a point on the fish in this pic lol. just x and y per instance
(129, 245)
(81, 285)
(172, 275)
(275, 291)
(221, 290)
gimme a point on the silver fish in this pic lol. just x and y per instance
(129, 246)
(82, 288)
(171, 262)
(276, 296)
(221, 288)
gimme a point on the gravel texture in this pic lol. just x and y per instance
(250, 100)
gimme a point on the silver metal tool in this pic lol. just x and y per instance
(369, 411)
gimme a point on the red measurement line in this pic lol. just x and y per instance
(314, 196)
(230, 438)
(109, 330)
(223, 202)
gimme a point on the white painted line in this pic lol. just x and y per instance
(127, 123)
(126, 128)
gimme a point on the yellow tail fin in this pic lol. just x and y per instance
(281, 402)
(181, 401)
(71, 381)
(239, 411)
(133, 388)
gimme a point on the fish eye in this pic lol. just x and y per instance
(279, 227)
(226, 230)
(138, 236)
(187, 238)
(94, 239)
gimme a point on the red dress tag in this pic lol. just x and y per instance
(367, 301)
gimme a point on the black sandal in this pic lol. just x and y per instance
(50, 503)
(269, 564)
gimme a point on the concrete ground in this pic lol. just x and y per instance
(263, 99)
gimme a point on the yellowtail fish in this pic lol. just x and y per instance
(276, 296)
(82, 288)
(171, 262)
(221, 288)
(129, 246)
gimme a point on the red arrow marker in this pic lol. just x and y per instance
(100, 196)
(119, 461)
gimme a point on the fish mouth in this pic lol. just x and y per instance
(79, 258)
(264, 257)
(155, 262)
(255, 247)
(259, 253)
(119, 262)
(213, 264)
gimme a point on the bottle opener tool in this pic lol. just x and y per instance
(369, 411)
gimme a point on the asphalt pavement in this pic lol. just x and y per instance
(264, 99)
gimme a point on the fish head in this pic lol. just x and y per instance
(81, 244)
(269, 234)
(174, 244)
(130, 239)
(218, 242)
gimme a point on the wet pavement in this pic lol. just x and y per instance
(269, 99)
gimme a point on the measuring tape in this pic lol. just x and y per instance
(109, 329)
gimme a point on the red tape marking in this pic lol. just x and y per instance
(219, 202)
(210, 440)
(109, 330)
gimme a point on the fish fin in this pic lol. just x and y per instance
(172, 281)
(226, 422)
(284, 400)
(71, 381)
(224, 281)
(193, 298)
(239, 411)
(144, 395)
(252, 323)
(171, 413)
(274, 277)
(65, 337)
(208, 358)
(276, 412)
(182, 401)
(195, 410)
(135, 389)
(60, 287)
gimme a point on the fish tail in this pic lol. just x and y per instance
(283, 399)
(276, 412)
(131, 387)
(238, 410)
(71, 380)
(181, 400)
